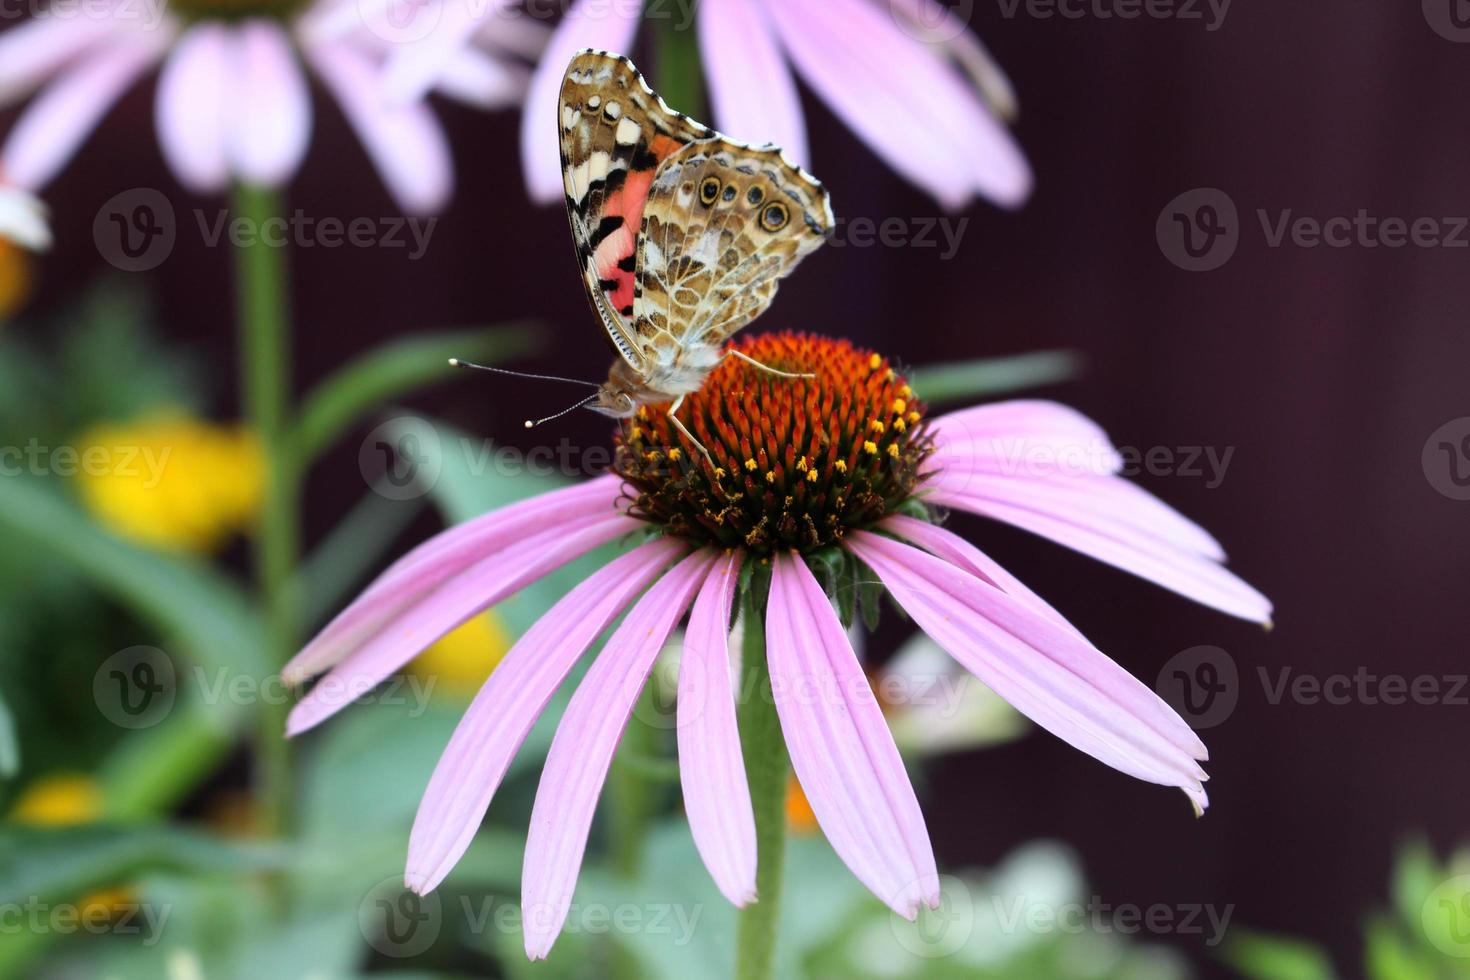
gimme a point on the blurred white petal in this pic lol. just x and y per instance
(23, 219)
(192, 108)
(272, 108)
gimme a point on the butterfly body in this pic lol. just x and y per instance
(682, 234)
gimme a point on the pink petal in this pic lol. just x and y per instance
(35, 50)
(475, 78)
(588, 24)
(711, 765)
(52, 128)
(1111, 528)
(24, 219)
(841, 749)
(1023, 435)
(491, 580)
(961, 553)
(272, 107)
(1048, 673)
(936, 24)
(750, 85)
(903, 100)
(502, 714)
(192, 107)
(418, 65)
(576, 765)
(405, 142)
(449, 553)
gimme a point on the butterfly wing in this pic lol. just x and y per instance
(615, 132)
(722, 225)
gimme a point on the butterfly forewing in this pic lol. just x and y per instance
(614, 134)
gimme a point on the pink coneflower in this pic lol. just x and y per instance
(843, 471)
(233, 102)
(907, 76)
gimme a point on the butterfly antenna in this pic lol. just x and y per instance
(532, 423)
(456, 362)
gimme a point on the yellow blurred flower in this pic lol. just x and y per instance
(58, 800)
(15, 278)
(462, 659)
(799, 816)
(172, 481)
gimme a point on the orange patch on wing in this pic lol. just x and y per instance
(627, 204)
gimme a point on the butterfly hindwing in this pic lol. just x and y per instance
(721, 225)
(615, 132)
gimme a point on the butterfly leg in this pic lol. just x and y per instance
(674, 418)
(765, 367)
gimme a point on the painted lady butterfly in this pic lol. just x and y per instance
(682, 234)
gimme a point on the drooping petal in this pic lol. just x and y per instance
(502, 714)
(419, 65)
(271, 107)
(482, 585)
(711, 765)
(192, 107)
(576, 765)
(52, 128)
(753, 93)
(588, 24)
(32, 52)
(1094, 516)
(24, 219)
(841, 749)
(904, 100)
(1024, 436)
(475, 78)
(405, 142)
(959, 552)
(445, 555)
(934, 23)
(1045, 671)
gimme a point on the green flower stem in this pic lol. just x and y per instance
(766, 767)
(264, 321)
(680, 73)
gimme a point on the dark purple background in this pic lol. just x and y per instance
(1325, 369)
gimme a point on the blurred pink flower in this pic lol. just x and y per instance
(232, 102)
(907, 77)
(851, 485)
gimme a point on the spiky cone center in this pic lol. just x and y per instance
(794, 463)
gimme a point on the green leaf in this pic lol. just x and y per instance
(1263, 957)
(350, 549)
(966, 380)
(1389, 957)
(390, 371)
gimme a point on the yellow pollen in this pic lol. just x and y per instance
(811, 476)
(643, 414)
(906, 391)
(876, 426)
(899, 426)
(801, 464)
(719, 472)
(770, 476)
(871, 448)
(875, 362)
(750, 465)
(635, 433)
(900, 406)
(651, 457)
(914, 417)
(674, 454)
(893, 449)
(841, 465)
